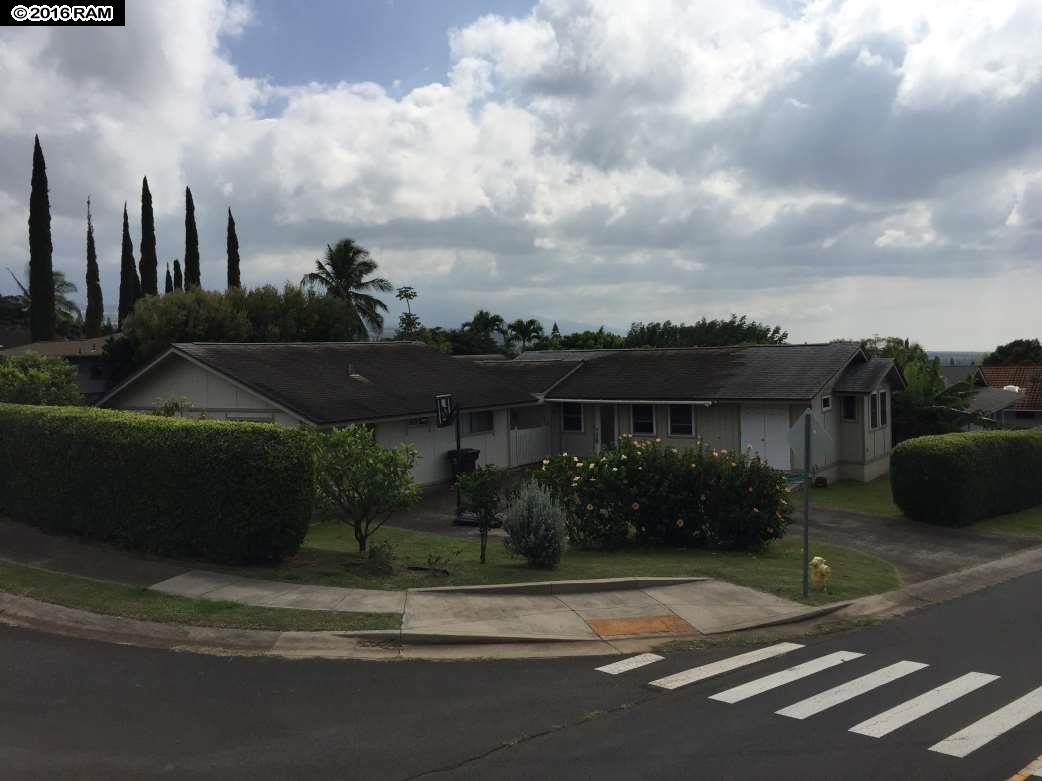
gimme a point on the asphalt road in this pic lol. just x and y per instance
(76, 709)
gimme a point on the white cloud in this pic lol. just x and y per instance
(592, 161)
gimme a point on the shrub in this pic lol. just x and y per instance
(956, 479)
(361, 483)
(211, 489)
(480, 491)
(693, 497)
(29, 378)
(534, 524)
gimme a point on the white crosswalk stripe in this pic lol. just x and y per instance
(849, 690)
(625, 665)
(707, 671)
(993, 725)
(760, 685)
(907, 712)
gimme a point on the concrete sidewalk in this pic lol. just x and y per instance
(621, 609)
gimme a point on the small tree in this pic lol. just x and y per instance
(362, 483)
(480, 491)
(30, 378)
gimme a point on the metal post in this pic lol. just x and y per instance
(458, 465)
(806, 502)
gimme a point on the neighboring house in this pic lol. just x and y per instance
(390, 385)
(956, 374)
(729, 397)
(1026, 409)
(517, 412)
(88, 356)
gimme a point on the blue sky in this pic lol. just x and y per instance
(839, 168)
(357, 40)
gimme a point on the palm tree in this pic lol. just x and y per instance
(343, 275)
(525, 331)
(485, 323)
(63, 306)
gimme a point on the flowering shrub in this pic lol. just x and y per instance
(534, 523)
(662, 495)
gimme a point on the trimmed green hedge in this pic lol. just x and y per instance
(218, 490)
(956, 479)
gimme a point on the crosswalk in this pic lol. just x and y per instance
(960, 744)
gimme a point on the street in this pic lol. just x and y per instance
(80, 709)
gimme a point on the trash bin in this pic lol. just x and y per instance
(463, 460)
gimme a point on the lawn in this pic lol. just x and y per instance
(1026, 523)
(140, 603)
(329, 558)
(871, 497)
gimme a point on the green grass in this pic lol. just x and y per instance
(147, 605)
(874, 497)
(329, 558)
(1026, 523)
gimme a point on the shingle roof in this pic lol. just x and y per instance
(339, 382)
(63, 348)
(565, 355)
(775, 372)
(866, 377)
(991, 400)
(1027, 378)
(955, 374)
(533, 376)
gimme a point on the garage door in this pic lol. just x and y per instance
(766, 429)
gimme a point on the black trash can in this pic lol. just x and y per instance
(463, 460)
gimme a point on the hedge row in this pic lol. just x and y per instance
(956, 479)
(212, 489)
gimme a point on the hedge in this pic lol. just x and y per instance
(956, 479)
(217, 490)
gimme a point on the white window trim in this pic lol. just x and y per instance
(884, 398)
(582, 419)
(826, 407)
(654, 426)
(694, 431)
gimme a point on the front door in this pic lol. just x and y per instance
(605, 427)
(766, 429)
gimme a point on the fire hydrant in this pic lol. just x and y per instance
(820, 572)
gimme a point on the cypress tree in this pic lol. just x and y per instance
(233, 253)
(179, 282)
(149, 262)
(41, 270)
(192, 278)
(169, 280)
(129, 285)
(95, 304)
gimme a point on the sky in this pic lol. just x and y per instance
(841, 168)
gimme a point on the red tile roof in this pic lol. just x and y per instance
(1027, 378)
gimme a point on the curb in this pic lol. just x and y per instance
(551, 587)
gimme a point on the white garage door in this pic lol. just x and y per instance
(766, 429)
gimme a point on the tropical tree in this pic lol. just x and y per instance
(926, 406)
(408, 323)
(704, 333)
(343, 274)
(65, 308)
(486, 323)
(41, 287)
(525, 332)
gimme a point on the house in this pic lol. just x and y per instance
(390, 385)
(1026, 381)
(93, 372)
(517, 412)
(729, 397)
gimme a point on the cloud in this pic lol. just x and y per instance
(593, 162)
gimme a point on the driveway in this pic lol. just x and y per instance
(918, 550)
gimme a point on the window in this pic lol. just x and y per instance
(850, 408)
(826, 403)
(572, 418)
(882, 408)
(643, 419)
(681, 420)
(479, 422)
(873, 410)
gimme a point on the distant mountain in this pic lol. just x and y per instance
(957, 357)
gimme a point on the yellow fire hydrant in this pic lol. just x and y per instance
(820, 572)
